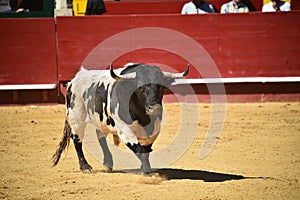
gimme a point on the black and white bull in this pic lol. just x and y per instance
(125, 102)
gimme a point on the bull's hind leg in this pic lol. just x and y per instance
(107, 160)
(84, 166)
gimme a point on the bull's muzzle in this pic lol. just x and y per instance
(153, 110)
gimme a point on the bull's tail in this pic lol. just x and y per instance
(65, 141)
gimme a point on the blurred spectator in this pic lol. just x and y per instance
(250, 5)
(14, 4)
(276, 6)
(10, 7)
(197, 7)
(234, 6)
(30, 5)
(95, 7)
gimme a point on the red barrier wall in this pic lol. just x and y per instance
(28, 51)
(241, 45)
(28, 56)
(38, 51)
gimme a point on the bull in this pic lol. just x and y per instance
(125, 102)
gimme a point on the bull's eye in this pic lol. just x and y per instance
(140, 90)
(143, 89)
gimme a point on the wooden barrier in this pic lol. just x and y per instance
(28, 51)
(242, 45)
(37, 54)
(28, 60)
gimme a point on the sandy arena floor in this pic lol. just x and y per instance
(256, 157)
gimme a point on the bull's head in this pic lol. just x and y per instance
(139, 91)
(149, 84)
(133, 74)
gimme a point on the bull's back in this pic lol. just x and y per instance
(87, 95)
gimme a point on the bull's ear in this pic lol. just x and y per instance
(121, 77)
(178, 75)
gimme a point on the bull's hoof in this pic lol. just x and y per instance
(152, 179)
(86, 168)
(146, 170)
(147, 174)
(107, 169)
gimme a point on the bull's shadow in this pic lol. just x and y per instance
(197, 175)
(171, 174)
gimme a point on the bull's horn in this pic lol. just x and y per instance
(125, 76)
(177, 75)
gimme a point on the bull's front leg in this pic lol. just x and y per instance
(144, 158)
(142, 152)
